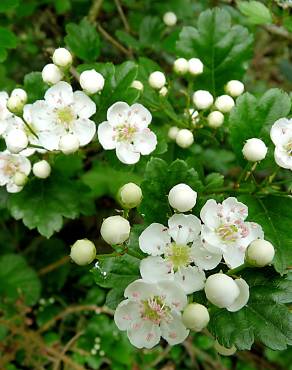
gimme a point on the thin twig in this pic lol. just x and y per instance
(62, 261)
(113, 41)
(279, 31)
(94, 10)
(66, 348)
(122, 15)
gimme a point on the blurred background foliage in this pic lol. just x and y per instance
(61, 321)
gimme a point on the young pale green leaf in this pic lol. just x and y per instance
(273, 213)
(83, 40)
(18, 280)
(264, 318)
(255, 11)
(34, 86)
(224, 49)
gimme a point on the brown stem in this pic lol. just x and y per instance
(113, 41)
(65, 349)
(62, 261)
(94, 10)
(122, 15)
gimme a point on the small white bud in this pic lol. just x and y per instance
(181, 66)
(194, 114)
(203, 99)
(224, 103)
(15, 104)
(260, 253)
(20, 93)
(184, 138)
(136, 84)
(130, 195)
(41, 169)
(234, 88)
(62, 57)
(163, 91)
(221, 290)
(224, 351)
(115, 230)
(172, 132)
(83, 252)
(254, 150)
(215, 119)
(91, 81)
(69, 143)
(16, 140)
(52, 74)
(195, 316)
(157, 80)
(182, 197)
(20, 179)
(195, 66)
(170, 19)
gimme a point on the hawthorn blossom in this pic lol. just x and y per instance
(10, 165)
(226, 231)
(4, 112)
(151, 311)
(281, 135)
(63, 111)
(176, 253)
(126, 130)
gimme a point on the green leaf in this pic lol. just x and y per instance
(18, 280)
(224, 49)
(158, 180)
(44, 204)
(83, 40)
(34, 86)
(273, 213)
(8, 40)
(150, 31)
(254, 117)
(264, 317)
(6, 5)
(256, 12)
(213, 181)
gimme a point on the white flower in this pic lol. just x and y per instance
(115, 230)
(41, 169)
(172, 132)
(83, 252)
(195, 66)
(136, 84)
(157, 80)
(260, 253)
(184, 138)
(224, 292)
(170, 19)
(62, 57)
(181, 66)
(202, 99)
(195, 316)
(63, 111)
(224, 103)
(126, 130)
(182, 197)
(254, 150)
(234, 88)
(215, 119)
(152, 311)
(91, 81)
(130, 195)
(281, 135)
(11, 164)
(51, 74)
(173, 252)
(225, 231)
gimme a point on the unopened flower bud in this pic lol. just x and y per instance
(41, 169)
(91, 81)
(16, 140)
(20, 179)
(181, 66)
(254, 150)
(234, 88)
(62, 58)
(215, 119)
(163, 91)
(170, 19)
(182, 197)
(224, 351)
(260, 253)
(184, 138)
(195, 316)
(172, 132)
(195, 66)
(52, 74)
(83, 252)
(224, 103)
(69, 143)
(20, 94)
(157, 80)
(203, 99)
(15, 104)
(115, 230)
(136, 84)
(130, 195)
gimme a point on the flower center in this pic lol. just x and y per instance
(178, 255)
(288, 148)
(125, 132)
(155, 310)
(65, 115)
(231, 232)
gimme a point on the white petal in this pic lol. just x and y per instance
(24, 165)
(209, 214)
(144, 334)
(83, 106)
(139, 116)
(154, 239)
(117, 114)
(14, 123)
(203, 258)
(184, 228)
(12, 188)
(279, 130)
(27, 113)
(42, 116)
(190, 278)
(234, 256)
(105, 136)
(126, 153)
(59, 95)
(255, 231)
(50, 139)
(3, 126)
(211, 241)
(233, 209)
(154, 269)
(145, 141)
(174, 332)
(126, 312)
(243, 297)
(173, 294)
(84, 129)
(282, 158)
(139, 290)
